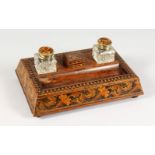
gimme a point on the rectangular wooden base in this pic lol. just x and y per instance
(71, 88)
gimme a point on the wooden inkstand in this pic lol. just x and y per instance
(65, 81)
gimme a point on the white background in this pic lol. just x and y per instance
(75, 14)
(135, 46)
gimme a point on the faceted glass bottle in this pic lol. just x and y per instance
(103, 52)
(45, 61)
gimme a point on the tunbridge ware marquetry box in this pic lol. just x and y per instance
(78, 82)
